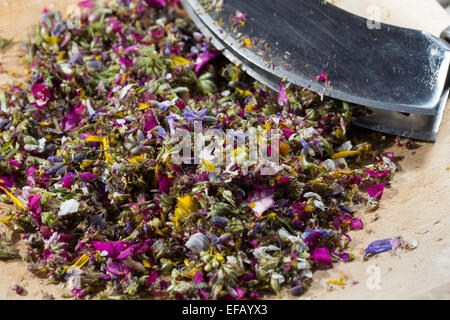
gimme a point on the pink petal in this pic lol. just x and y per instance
(261, 205)
(150, 122)
(32, 175)
(282, 96)
(126, 62)
(86, 4)
(261, 200)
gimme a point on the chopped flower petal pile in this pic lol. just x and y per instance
(87, 159)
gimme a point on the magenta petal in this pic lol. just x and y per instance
(356, 224)
(113, 248)
(164, 182)
(344, 256)
(125, 253)
(204, 59)
(240, 293)
(73, 117)
(151, 122)
(152, 276)
(322, 257)
(34, 204)
(88, 176)
(198, 277)
(68, 179)
(204, 294)
(158, 4)
(376, 174)
(376, 190)
(14, 163)
(126, 62)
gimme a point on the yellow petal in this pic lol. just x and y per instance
(209, 166)
(82, 261)
(86, 163)
(105, 142)
(13, 198)
(136, 159)
(108, 158)
(143, 106)
(60, 55)
(344, 154)
(236, 73)
(52, 40)
(284, 148)
(180, 60)
(94, 139)
(146, 263)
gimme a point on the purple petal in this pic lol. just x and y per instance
(8, 181)
(378, 246)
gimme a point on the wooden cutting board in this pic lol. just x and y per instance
(415, 206)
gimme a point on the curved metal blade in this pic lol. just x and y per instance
(391, 68)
